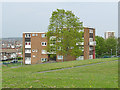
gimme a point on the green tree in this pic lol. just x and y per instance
(67, 30)
(111, 43)
(100, 46)
(118, 46)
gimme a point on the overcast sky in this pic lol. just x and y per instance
(34, 16)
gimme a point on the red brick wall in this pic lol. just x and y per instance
(23, 48)
(86, 43)
(36, 44)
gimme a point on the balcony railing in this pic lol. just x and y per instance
(93, 43)
(80, 43)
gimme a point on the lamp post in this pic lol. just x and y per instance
(116, 51)
(111, 53)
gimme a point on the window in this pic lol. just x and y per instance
(27, 58)
(71, 47)
(27, 54)
(33, 55)
(91, 35)
(27, 51)
(91, 52)
(36, 34)
(91, 48)
(59, 48)
(33, 34)
(90, 31)
(33, 50)
(43, 35)
(27, 43)
(59, 39)
(90, 39)
(43, 59)
(27, 39)
(27, 35)
(59, 57)
(44, 43)
(44, 52)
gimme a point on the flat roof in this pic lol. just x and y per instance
(110, 31)
(89, 27)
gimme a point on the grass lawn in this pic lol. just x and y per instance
(103, 75)
(0, 75)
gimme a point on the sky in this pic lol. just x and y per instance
(19, 17)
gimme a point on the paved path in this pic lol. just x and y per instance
(75, 67)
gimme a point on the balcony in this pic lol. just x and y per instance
(27, 44)
(27, 54)
(51, 53)
(52, 37)
(27, 60)
(27, 39)
(52, 44)
(27, 50)
(90, 48)
(93, 43)
(80, 43)
(90, 56)
(27, 35)
(80, 58)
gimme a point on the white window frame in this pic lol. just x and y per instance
(33, 50)
(43, 51)
(59, 40)
(90, 31)
(26, 58)
(34, 56)
(27, 35)
(43, 59)
(27, 50)
(43, 35)
(52, 37)
(59, 48)
(90, 39)
(59, 57)
(33, 34)
(44, 43)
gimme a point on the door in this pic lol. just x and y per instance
(27, 60)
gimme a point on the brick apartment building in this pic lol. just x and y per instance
(109, 34)
(34, 44)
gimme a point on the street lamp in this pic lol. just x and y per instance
(116, 52)
(111, 53)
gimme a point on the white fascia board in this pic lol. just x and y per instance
(34, 32)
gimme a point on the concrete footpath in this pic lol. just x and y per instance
(75, 66)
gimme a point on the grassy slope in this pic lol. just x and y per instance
(100, 75)
(52, 66)
(0, 75)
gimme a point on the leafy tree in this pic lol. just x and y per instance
(100, 46)
(111, 43)
(118, 46)
(67, 31)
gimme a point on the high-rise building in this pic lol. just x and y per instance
(109, 34)
(35, 43)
